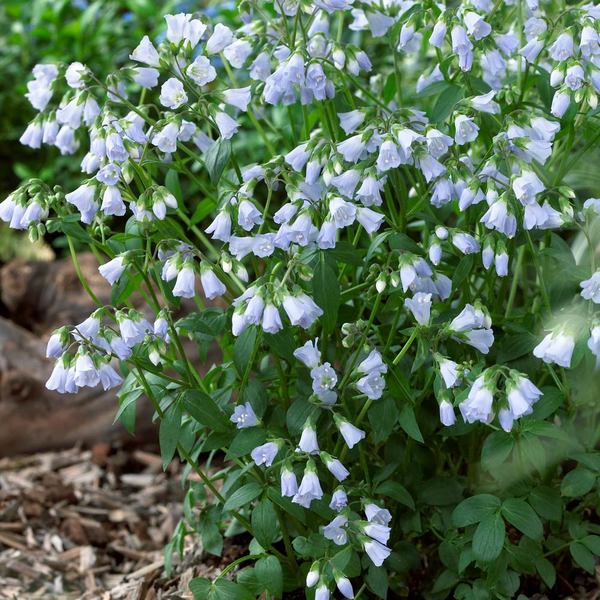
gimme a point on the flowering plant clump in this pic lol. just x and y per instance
(371, 211)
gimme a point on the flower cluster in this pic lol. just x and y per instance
(391, 177)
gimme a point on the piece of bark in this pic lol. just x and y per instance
(41, 296)
(35, 419)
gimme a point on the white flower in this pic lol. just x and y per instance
(420, 306)
(465, 130)
(324, 379)
(343, 213)
(172, 94)
(185, 284)
(351, 121)
(146, 53)
(463, 47)
(221, 37)
(32, 136)
(556, 348)
(201, 71)
(376, 514)
(244, 416)
(531, 50)
(220, 228)
(166, 138)
(133, 329)
(260, 68)
(478, 404)
(351, 434)
(86, 372)
(469, 318)
(89, 328)
(369, 219)
(309, 354)
(109, 378)
(480, 339)
(574, 77)
(589, 42)
(591, 288)
(313, 575)
(562, 48)
(485, 103)
(227, 126)
(321, 593)
(147, 77)
(237, 53)
(339, 500)
(310, 487)
(498, 217)
(388, 158)
(593, 343)
(74, 75)
(371, 385)
(211, 284)
(372, 364)
(55, 346)
(112, 202)
(438, 34)
(62, 379)
(353, 148)
(506, 419)
(560, 104)
(83, 199)
(301, 310)
(376, 551)
(369, 193)
(476, 26)
(376, 531)
(501, 264)
(465, 242)
(346, 182)
(344, 586)
(265, 454)
(248, 215)
(447, 416)
(527, 186)
(271, 321)
(239, 97)
(254, 310)
(449, 371)
(289, 483)
(336, 530)
(297, 157)
(308, 440)
(335, 467)
(113, 269)
(522, 395)
(182, 27)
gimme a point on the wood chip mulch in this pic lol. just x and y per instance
(92, 524)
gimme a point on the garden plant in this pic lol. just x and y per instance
(382, 214)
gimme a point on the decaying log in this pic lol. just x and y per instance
(40, 296)
(32, 418)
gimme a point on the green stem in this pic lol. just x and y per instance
(80, 275)
(405, 348)
(515, 282)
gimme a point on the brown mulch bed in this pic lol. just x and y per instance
(92, 524)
